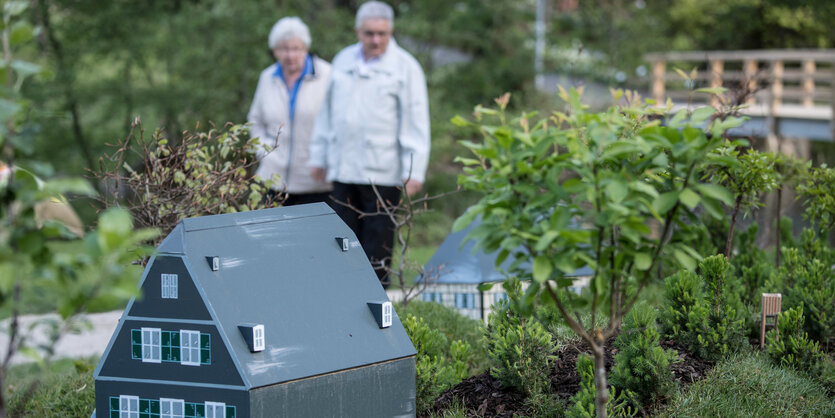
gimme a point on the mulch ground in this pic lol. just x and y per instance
(484, 396)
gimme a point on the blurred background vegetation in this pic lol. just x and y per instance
(186, 64)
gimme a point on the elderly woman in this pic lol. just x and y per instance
(287, 100)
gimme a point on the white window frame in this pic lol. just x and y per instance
(258, 340)
(151, 345)
(386, 314)
(189, 347)
(171, 404)
(128, 406)
(169, 283)
(215, 408)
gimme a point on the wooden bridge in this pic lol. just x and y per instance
(786, 93)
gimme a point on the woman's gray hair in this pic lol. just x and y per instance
(289, 28)
(375, 10)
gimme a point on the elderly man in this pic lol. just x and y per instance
(373, 129)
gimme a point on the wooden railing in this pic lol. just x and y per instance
(796, 83)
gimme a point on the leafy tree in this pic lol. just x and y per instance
(578, 189)
(818, 194)
(30, 259)
(751, 175)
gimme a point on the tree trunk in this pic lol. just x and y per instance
(729, 244)
(778, 251)
(600, 383)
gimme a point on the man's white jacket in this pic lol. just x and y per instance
(373, 127)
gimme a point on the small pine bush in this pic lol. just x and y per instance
(434, 372)
(581, 405)
(521, 351)
(642, 366)
(707, 315)
(791, 347)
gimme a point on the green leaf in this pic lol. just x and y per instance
(545, 240)
(485, 286)
(114, 227)
(712, 90)
(542, 268)
(701, 114)
(459, 121)
(689, 198)
(664, 202)
(464, 220)
(684, 260)
(642, 261)
(716, 192)
(617, 191)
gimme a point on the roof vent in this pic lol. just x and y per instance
(382, 313)
(343, 243)
(214, 262)
(254, 336)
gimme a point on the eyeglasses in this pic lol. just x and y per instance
(371, 33)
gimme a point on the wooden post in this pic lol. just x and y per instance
(716, 68)
(776, 85)
(659, 73)
(749, 68)
(774, 104)
(808, 83)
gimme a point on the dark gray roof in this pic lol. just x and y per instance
(283, 268)
(457, 264)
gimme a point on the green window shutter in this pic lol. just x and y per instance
(230, 411)
(189, 412)
(205, 349)
(114, 407)
(135, 347)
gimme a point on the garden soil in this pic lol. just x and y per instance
(484, 396)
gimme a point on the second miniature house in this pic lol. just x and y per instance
(259, 314)
(455, 273)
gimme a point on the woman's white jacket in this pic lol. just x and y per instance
(286, 143)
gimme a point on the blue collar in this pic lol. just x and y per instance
(294, 89)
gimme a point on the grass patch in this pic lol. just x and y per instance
(748, 385)
(416, 257)
(65, 389)
(454, 326)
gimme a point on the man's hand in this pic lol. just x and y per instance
(318, 174)
(412, 186)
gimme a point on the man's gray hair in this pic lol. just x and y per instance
(289, 28)
(375, 10)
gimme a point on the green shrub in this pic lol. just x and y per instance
(748, 385)
(806, 279)
(453, 326)
(641, 365)
(791, 347)
(683, 294)
(581, 405)
(707, 315)
(434, 370)
(521, 351)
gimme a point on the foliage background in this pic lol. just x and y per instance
(181, 64)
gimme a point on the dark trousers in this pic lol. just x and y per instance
(375, 233)
(271, 196)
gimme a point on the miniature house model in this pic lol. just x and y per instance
(456, 272)
(268, 313)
